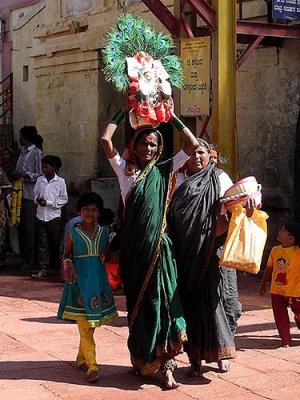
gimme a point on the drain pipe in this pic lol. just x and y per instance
(297, 172)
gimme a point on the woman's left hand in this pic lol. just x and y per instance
(19, 175)
(172, 113)
(250, 206)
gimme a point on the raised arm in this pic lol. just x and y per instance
(106, 140)
(189, 140)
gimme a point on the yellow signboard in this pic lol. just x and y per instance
(195, 55)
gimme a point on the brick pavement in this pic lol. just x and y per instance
(37, 353)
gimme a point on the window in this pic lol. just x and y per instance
(25, 73)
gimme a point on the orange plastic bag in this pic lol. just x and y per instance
(245, 240)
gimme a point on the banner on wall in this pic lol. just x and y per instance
(286, 9)
(195, 55)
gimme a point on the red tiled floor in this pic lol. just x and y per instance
(37, 353)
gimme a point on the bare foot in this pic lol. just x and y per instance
(195, 371)
(285, 346)
(170, 382)
(224, 365)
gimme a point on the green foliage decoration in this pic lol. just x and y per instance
(134, 35)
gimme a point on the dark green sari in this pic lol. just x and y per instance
(149, 274)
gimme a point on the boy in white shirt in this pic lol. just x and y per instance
(50, 195)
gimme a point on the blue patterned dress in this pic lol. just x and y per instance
(91, 296)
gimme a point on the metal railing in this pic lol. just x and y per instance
(6, 99)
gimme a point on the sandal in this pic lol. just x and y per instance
(93, 377)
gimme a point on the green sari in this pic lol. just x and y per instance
(149, 273)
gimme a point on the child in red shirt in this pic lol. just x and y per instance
(107, 219)
(284, 267)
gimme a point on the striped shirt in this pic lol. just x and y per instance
(30, 164)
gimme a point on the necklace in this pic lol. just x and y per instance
(186, 174)
(90, 233)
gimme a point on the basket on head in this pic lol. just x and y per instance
(138, 122)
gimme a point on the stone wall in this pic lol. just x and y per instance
(70, 102)
(73, 101)
(24, 21)
(268, 88)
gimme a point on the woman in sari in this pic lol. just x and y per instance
(198, 227)
(5, 189)
(147, 265)
(8, 162)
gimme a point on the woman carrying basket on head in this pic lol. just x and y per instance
(148, 269)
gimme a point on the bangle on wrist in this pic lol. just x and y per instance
(117, 117)
(177, 123)
(67, 260)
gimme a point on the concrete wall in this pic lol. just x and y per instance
(23, 23)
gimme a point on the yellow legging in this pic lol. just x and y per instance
(87, 348)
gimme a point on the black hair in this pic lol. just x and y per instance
(107, 217)
(90, 198)
(148, 131)
(294, 229)
(29, 132)
(39, 142)
(58, 161)
(54, 161)
(49, 160)
(281, 259)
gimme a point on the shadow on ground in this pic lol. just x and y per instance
(181, 376)
(119, 322)
(256, 327)
(67, 372)
(261, 342)
(114, 376)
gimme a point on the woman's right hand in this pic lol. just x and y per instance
(262, 289)
(70, 272)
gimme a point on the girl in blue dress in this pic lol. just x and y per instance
(87, 297)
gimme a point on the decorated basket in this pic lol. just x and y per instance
(241, 192)
(141, 62)
(138, 122)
